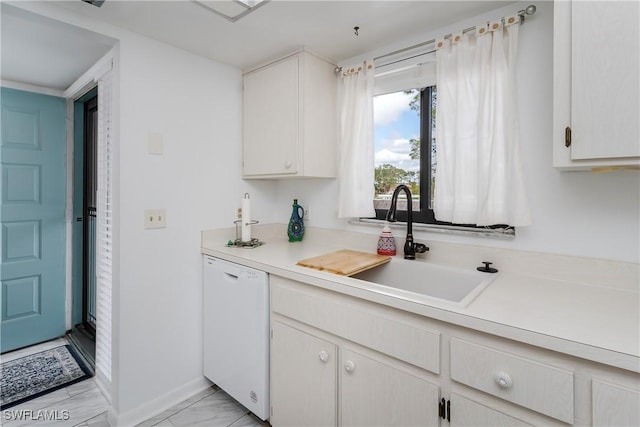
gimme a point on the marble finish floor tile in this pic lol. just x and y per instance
(81, 387)
(250, 420)
(178, 407)
(100, 420)
(67, 412)
(41, 402)
(165, 423)
(218, 409)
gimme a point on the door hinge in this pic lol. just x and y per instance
(444, 409)
(567, 136)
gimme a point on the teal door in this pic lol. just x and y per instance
(32, 158)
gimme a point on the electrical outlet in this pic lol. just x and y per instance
(155, 218)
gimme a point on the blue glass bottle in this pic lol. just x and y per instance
(295, 231)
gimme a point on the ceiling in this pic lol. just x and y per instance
(43, 52)
(32, 44)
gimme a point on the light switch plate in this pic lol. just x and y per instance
(155, 218)
(155, 143)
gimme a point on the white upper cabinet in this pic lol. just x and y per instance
(289, 119)
(596, 85)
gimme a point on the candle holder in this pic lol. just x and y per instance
(238, 242)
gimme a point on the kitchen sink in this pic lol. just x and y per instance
(458, 286)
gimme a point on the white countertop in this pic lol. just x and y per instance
(582, 307)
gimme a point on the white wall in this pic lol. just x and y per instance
(195, 103)
(575, 213)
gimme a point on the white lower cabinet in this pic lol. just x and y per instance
(473, 414)
(303, 378)
(338, 360)
(615, 405)
(373, 393)
(305, 371)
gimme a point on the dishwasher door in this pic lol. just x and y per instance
(236, 332)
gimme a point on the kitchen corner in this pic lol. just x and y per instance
(549, 339)
(581, 307)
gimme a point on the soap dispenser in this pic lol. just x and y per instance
(386, 242)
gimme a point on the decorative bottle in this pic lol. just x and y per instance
(386, 242)
(295, 231)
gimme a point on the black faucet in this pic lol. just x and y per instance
(410, 248)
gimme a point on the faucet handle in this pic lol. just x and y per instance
(420, 248)
(487, 268)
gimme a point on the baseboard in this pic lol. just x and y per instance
(103, 384)
(156, 406)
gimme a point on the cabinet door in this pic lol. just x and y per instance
(604, 79)
(595, 84)
(466, 412)
(303, 378)
(615, 405)
(271, 119)
(375, 394)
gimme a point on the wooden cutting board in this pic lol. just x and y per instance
(345, 262)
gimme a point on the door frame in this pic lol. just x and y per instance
(79, 88)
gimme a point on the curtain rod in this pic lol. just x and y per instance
(529, 10)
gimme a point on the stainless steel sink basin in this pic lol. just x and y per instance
(452, 285)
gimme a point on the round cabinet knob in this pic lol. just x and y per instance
(288, 164)
(503, 380)
(349, 366)
(324, 356)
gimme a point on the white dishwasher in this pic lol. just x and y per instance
(236, 332)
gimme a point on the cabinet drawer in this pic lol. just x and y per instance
(361, 323)
(542, 388)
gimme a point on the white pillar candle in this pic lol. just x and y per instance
(246, 218)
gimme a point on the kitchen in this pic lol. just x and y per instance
(195, 103)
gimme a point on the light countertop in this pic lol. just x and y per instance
(582, 307)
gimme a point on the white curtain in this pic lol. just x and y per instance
(479, 177)
(356, 170)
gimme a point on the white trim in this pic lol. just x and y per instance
(156, 406)
(69, 220)
(89, 79)
(31, 88)
(104, 385)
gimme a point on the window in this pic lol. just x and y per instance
(405, 151)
